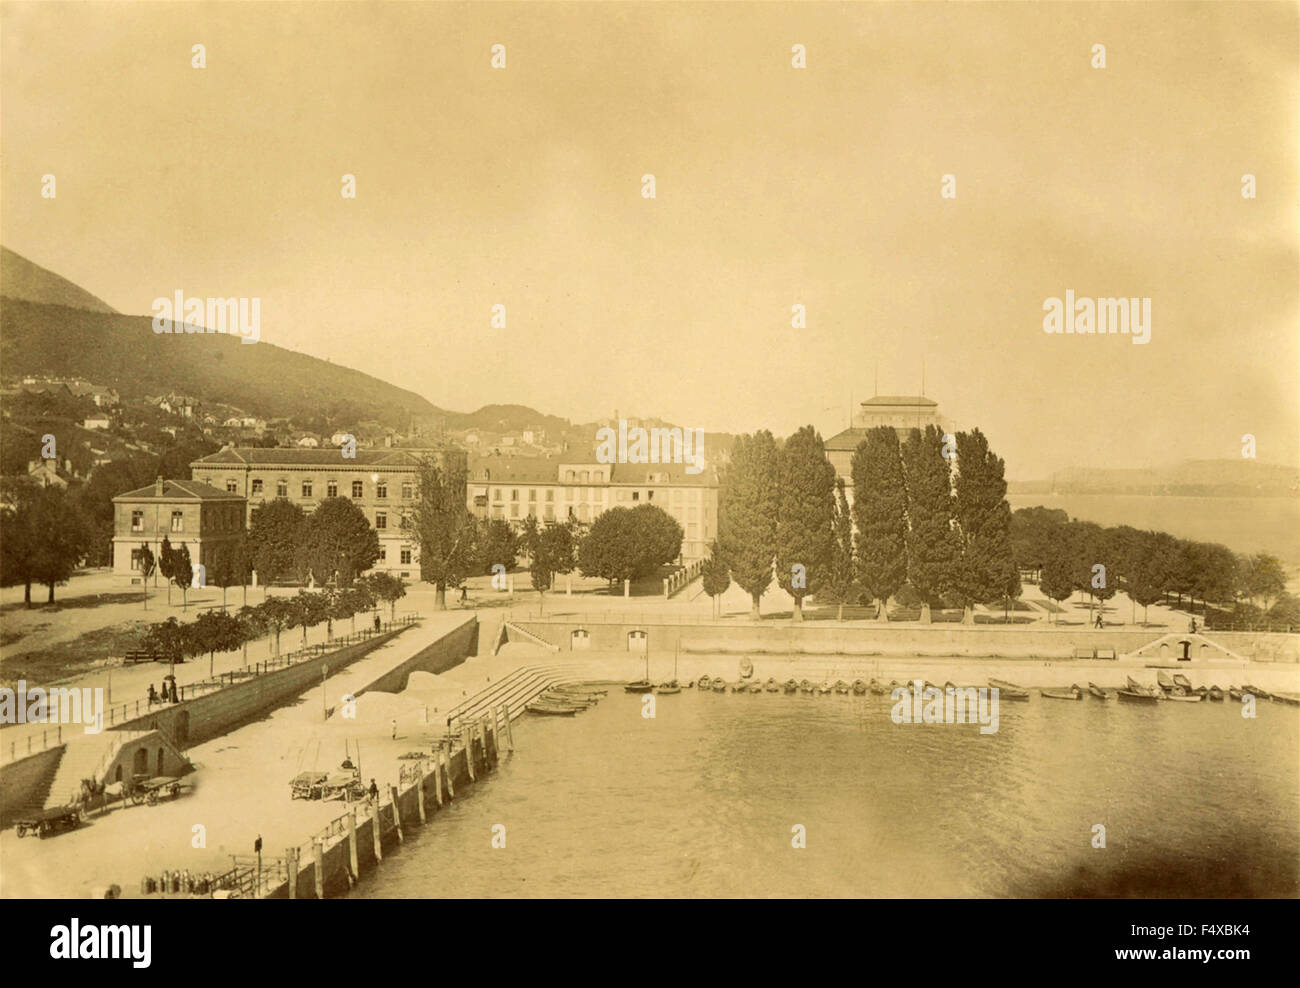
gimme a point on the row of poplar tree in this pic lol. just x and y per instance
(929, 512)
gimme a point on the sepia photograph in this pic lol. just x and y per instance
(636, 450)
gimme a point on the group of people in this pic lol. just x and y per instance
(168, 694)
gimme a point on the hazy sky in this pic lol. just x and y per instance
(775, 186)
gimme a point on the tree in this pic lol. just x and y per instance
(805, 523)
(1261, 576)
(253, 625)
(386, 587)
(880, 516)
(275, 613)
(18, 537)
(496, 544)
(338, 543)
(274, 536)
(623, 544)
(169, 639)
(747, 514)
(223, 570)
(1215, 567)
(217, 631)
(354, 600)
(1105, 563)
(167, 565)
(1033, 532)
(985, 564)
(183, 572)
(931, 538)
(444, 528)
(1146, 573)
(1058, 575)
(61, 537)
(147, 564)
(307, 610)
(552, 549)
(714, 577)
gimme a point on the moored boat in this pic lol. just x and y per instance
(1009, 691)
(805, 686)
(859, 687)
(1135, 687)
(1183, 697)
(825, 686)
(791, 686)
(1184, 682)
(841, 687)
(555, 696)
(1256, 692)
(719, 685)
(1165, 681)
(1215, 694)
(1069, 693)
(1236, 693)
(1100, 692)
(639, 686)
(670, 687)
(1292, 699)
(877, 687)
(552, 709)
(772, 686)
(704, 682)
(1135, 696)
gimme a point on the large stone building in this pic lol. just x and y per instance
(512, 488)
(184, 512)
(903, 413)
(382, 482)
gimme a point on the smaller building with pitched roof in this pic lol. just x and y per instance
(185, 512)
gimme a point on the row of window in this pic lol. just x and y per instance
(590, 494)
(218, 520)
(331, 488)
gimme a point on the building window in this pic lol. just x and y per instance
(406, 557)
(583, 476)
(232, 487)
(381, 489)
(532, 494)
(514, 495)
(496, 494)
(408, 491)
(381, 520)
(358, 489)
(568, 475)
(257, 487)
(650, 496)
(306, 488)
(282, 488)
(636, 495)
(383, 554)
(550, 512)
(514, 510)
(550, 494)
(332, 488)
(137, 521)
(677, 497)
(178, 521)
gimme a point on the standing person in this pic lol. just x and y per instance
(464, 593)
(394, 728)
(153, 695)
(374, 791)
(378, 623)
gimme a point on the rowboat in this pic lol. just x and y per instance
(1184, 697)
(841, 687)
(805, 686)
(1165, 680)
(1235, 693)
(878, 688)
(704, 682)
(1184, 682)
(859, 687)
(553, 696)
(1293, 699)
(551, 710)
(640, 686)
(1072, 693)
(1256, 692)
(755, 687)
(719, 685)
(1133, 696)
(791, 686)
(671, 687)
(772, 686)
(1135, 687)
(1215, 694)
(825, 687)
(1100, 692)
(1009, 691)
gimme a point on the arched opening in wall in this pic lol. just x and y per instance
(160, 763)
(579, 638)
(140, 763)
(1164, 650)
(636, 641)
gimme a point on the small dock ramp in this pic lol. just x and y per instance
(1183, 647)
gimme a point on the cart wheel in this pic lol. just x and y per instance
(153, 798)
(22, 831)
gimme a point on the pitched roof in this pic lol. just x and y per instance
(179, 490)
(325, 457)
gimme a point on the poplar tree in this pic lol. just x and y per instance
(880, 515)
(931, 539)
(747, 514)
(842, 587)
(805, 525)
(714, 577)
(985, 567)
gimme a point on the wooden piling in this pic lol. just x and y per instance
(318, 849)
(419, 794)
(451, 786)
(291, 866)
(468, 743)
(510, 731)
(437, 777)
(482, 742)
(374, 830)
(397, 815)
(354, 865)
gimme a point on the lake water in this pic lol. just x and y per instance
(701, 801)
(1244, 524)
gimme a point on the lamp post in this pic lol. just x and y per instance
(325, 703)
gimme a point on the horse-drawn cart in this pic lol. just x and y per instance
(43, 822)
(153, 790)
(307, 785)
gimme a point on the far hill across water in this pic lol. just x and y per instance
(1194, 478)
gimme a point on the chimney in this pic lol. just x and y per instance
(158, 487)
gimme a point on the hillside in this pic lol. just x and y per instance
(21, 279)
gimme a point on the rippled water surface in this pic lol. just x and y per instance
(701, 801)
